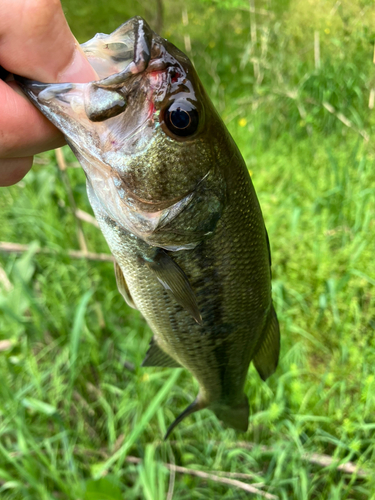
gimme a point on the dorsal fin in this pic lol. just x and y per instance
(175, 281)
(267, 356)
(123, 286)
(157, 357)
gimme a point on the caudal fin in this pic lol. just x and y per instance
(234, 416)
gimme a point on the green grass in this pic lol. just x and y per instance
(72, 409)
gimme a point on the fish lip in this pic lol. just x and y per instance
(157, 63)
(153, 56)
(155, 59)
(27, 85)
(34, 88)
(141, 48)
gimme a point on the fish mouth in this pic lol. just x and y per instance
(117, 112)
(115, 115)
(109, 122)
(130, 51)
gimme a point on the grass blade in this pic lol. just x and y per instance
(120, 455)
(76, 335)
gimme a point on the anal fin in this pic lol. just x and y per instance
(267, 356)
(157, 357)
(123, 286)
(175, 281)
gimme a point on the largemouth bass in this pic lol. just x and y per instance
(175, 202)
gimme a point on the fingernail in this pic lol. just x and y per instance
(79, 70)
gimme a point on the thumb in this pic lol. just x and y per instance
(36, 42)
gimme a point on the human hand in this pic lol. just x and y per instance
(36, 43)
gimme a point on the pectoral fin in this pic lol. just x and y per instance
(157, 357)
(123, 286)
(267, 356)
(175, 281)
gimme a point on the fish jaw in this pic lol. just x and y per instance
(110, 54)
(115, 127)
(73, 108)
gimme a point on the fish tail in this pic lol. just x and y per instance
(196, 405)
(234, 416)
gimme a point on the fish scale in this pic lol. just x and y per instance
(175, 202)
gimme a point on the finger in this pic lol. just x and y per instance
(35, 42)
(24, 131)
(14, 169)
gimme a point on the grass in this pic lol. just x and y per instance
(75, 405)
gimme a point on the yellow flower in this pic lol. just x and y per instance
(242, 122)
(327, 31)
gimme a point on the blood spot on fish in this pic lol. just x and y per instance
(151, 108)
(155, 77)
(175, 76)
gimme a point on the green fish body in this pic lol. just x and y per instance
(175, 202)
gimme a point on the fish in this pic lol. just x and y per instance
(176, 204)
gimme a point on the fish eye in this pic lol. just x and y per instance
(181, 118)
